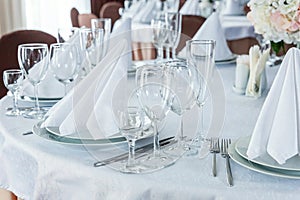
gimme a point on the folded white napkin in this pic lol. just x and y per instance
(257, 79)
(190, 7)
(92, 103)
(277, 129)
(146, 13)
(212, 30)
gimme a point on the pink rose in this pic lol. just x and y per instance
(279, 21)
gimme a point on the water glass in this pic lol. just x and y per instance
(33, 60)
(90, 42)
(63, 62)
(13, 80)
(105, 24)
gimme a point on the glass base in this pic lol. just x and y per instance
(13, 113)
(178, 149)
(146, 163)
(34, 113)
(199, 147)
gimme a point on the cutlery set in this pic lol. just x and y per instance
(217, 146)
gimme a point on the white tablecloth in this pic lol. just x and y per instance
(36, 169)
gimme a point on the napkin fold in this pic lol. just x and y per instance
(257, 78)
(232, 7)
(146, 13)
(277, 129)
(211, 29)
(92, 104)
(190, 7)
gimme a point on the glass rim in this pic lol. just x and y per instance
(86, 30)
(13, 71)
(201, 41)
(33, 45)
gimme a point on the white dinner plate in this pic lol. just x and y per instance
(43, 133)
(87, 136)
(292, 164)
(259, 168)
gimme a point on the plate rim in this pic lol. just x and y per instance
(50, 130)
(36, 129)
(259, 162)
(41, 99)
(256, 167)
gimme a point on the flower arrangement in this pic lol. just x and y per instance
(277, 20)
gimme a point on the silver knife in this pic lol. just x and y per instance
(139, 151)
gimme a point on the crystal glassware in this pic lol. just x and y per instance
(181, 82)
(131, 122)
(155, 98)
(159, 36)
(91, 40)
(105, 24)
(13, 80)
(173, 24)
(200, 55)
(33, 60)
(63, 62)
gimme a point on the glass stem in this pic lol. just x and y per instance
(160, 53)
(181, 129)
(131, 153)
(156, 146)
(65, 88)
(36, 91)
(173, 53)
(167, 53)
(15, 102)
(201, 133)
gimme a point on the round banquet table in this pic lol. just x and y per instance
(34, 168)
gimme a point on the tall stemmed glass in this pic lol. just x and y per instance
(159, 36)
(13, 79)
(155, 98)
(105, 24)
(91, 40)
(72, 35)
(173, 23)
(33, 60)
(181, 82)
(200, 54)
(63, 62)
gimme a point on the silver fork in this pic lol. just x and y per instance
(214, 149)
(224, 152)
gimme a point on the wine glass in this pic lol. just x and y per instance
(173, 23)
(63, 62)
(131, 122)
(159, 36)
(91, 40)
(13, 80)
(181, 82)
(155, 98)
(105, 24)
(200, 54)
(72, 35)
(33, 60)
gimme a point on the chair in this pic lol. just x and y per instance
(110, 10)
(9, 47)
(190, 26)
(74, 17)
(96, 5)
(85, 19)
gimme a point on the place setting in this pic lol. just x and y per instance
(272, 148)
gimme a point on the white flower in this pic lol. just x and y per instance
(276, 20)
